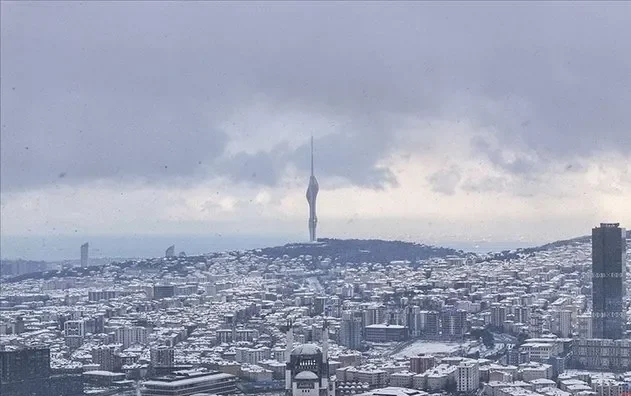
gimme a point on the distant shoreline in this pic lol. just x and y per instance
(66, 248)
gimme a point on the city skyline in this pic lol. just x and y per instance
(396, 322)
(159, 161)
(424, 142)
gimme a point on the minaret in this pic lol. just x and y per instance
(325, 341)
(290, 340)
(312, 193)
(288, 349)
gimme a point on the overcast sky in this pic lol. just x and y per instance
(432, 122)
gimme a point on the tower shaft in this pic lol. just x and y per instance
(312, 194)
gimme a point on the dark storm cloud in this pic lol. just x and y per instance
(520, 164)
(350, 155)
(135, 90)
(262, 168)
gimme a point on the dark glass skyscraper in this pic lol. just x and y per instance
(608, 278)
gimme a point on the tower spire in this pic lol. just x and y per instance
(311, 155)
(312, 193)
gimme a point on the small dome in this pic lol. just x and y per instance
(306, 375)
(306, 349)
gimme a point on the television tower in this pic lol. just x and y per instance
(312, 193)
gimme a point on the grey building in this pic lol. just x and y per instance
(454, 323)
(162, 356)
(602, 354)
(431, 328)
(608, 274)
(186, 383)
(163, 291)
(385, 333)
(84, 254)
(351, 330)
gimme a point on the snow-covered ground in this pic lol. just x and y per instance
(431, 347)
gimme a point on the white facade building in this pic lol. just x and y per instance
(468, 376)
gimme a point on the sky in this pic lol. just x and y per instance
(432, 122)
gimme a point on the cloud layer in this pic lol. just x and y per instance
(490, 99)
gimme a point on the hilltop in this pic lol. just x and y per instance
(362, 250)
(511, 254)
(354, 251)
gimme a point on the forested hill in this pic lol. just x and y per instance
(362, 250)
(511, 254)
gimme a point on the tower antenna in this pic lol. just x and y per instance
(311, 155)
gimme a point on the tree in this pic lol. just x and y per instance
(487, 338)
(521, 338)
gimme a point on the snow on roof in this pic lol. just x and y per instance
(384, 326)
(103, 373)
(306, 349)
(187, 381)
(394, 391)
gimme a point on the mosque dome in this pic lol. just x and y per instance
(306, 349)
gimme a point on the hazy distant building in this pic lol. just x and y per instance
(421, 363)
(602, 354)
(319, 305)
(100, 295)
(107, 358)
(162, 357)
(131, 335)
(312, 194)
(84, 254)
(468, 377)
(385, 333)
(608, 275)
(351, 329)
(74, 332)
(454, 323)
(170, 252)
(515, 357)
(498, 315)
(430, 323)
(19, 267)
(163, 291)
(562, 322)
(584, 323)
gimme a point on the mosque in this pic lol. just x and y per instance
(307, 367)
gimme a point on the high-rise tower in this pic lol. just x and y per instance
(84, 254)
(312, 194)
(608, 274)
